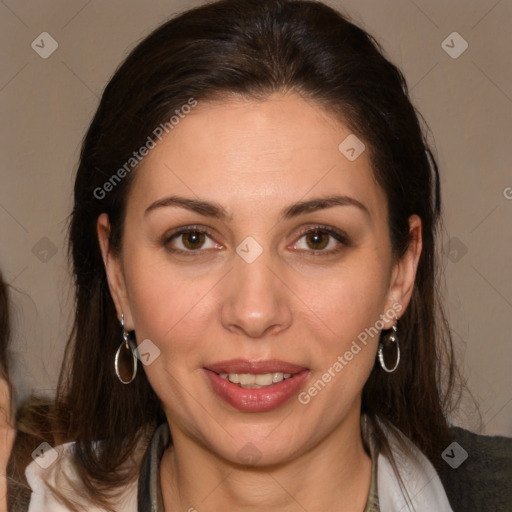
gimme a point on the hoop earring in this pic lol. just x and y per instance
(128, 350)
(392, 340)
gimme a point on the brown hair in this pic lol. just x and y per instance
(31, 423)
(5, 330)
(13, 480)
(33, 427)
(251, 48)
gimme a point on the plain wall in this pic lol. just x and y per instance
(46, 105)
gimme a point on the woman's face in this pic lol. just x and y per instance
(248, 291)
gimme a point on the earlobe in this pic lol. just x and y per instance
(404, 270)
(113, 270)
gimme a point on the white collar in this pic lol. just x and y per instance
(425, 490)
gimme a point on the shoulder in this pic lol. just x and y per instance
(479, 475)
(53, 470)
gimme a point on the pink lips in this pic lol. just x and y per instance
(256, 400)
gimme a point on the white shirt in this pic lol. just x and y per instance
(58, 474)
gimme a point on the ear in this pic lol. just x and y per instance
(114, 271)
(403, 274)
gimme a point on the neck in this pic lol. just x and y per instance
(334, 475)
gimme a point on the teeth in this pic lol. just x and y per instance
(266, 379)
(250, 380)
(246, 379)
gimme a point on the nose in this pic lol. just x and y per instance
(258, 301)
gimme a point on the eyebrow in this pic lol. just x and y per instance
(217, 211)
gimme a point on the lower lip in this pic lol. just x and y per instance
(260, 399)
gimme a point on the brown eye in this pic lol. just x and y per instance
(189, 240)
(193, 239)
(317, 239)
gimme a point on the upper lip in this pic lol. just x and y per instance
(255, 367)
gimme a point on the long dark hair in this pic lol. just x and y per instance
(250, 48)
(6, 419)
(5, 330)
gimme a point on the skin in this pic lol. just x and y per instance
(255, 158)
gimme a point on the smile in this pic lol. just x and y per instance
(255, 381)
(256, 386)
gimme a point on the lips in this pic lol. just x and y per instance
(259, 399)
(255, 367)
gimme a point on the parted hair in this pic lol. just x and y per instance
(251, 48)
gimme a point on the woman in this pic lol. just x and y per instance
(253, 243)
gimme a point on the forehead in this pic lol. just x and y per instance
(250, 155)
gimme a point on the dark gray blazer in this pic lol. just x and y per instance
(483, 482)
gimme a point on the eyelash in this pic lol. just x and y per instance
(340, 236)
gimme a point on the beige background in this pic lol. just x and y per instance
(46, 105)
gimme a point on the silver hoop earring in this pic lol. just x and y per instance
(391, 341)
(125, 350)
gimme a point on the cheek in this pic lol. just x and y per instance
(342, 322)
(167, 308)
(350, 299)
(162, 299)
(345, 340)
